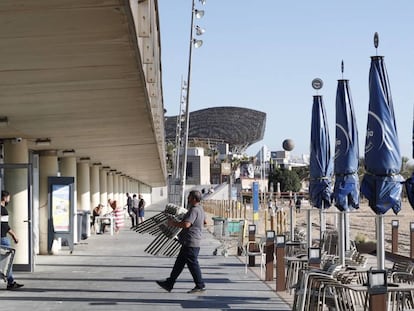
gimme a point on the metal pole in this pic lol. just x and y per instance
(178, 138)
(230, 157)
(341, 233)
(187, 107)
(292, 228)
(309, 229)
(380, 242)
(322, 225)
(292, 231)
(346, 228)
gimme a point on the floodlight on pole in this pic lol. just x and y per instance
(199, 31)
(199, 13)
(197, 43)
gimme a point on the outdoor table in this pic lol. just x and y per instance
(100, 219)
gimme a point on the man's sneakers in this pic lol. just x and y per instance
(14, 286)
(164, 285)
(168, 288)
(197, 290)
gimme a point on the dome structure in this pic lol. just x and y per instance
(238, 127)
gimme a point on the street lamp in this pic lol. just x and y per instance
(197, 43)
(288, 145)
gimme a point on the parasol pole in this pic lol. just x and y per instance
(342, 214)
(347, 228)
(380, 242)
(379, 218)
(309, 228)
(322, 222)
(341, 237)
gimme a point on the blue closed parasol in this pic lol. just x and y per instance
(381, 184)
(346, 189)
(320, 184)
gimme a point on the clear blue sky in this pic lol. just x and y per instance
(264, 54)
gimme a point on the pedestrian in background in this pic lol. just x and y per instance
(5, 240)
(130, 211)
(141, 209)
(118, 212)
(97, 211)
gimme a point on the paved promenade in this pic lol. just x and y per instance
(114, 273)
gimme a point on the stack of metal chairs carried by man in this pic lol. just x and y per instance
(165, 242)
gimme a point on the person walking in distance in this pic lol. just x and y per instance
(141, 209)
(135, 204)
(5, 240)
(190, 238)
(130, 211)
(118, 213)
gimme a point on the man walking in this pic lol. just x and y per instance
(189, 237)
(6, 230)
(130, 211)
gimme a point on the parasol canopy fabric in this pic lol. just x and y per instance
(346, 188)
(381, 184)
(320, 186)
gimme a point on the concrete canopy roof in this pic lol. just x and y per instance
(75, 71)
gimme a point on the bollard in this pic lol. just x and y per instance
(242, 230)
(270, 254)
(280, 263)
(377, 290)
(272, 222)
(281, 222)
(394, 236)
(314, 257)
(412, 240)
(252, 237)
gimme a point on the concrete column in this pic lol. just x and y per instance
(103, 181)
(84, 190)
(116, 187)
(126, 185)
(84, 194)
(145, 190)
(67, 167)
(48, 166)
(15, 182)
(121, 192)
(110, 186)
(122, 189)
(95, 189)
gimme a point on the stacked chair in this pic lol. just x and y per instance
(165, 242)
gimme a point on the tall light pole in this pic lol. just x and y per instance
(196, 43)
(288, 146)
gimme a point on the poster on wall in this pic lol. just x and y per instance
(61, 207)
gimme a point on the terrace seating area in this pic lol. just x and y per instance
(333, 286)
